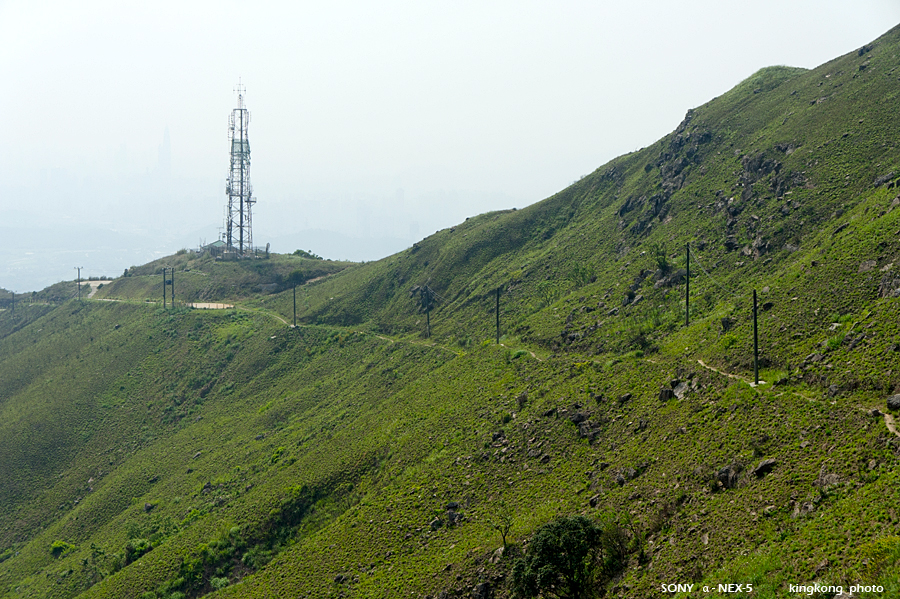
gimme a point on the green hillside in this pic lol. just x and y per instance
(149, 453)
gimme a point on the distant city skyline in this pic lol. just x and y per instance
(372, 125)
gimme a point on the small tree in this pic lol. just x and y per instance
(502, 522)
(660, 257)
(570, 557)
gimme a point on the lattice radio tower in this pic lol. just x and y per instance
(238, 218)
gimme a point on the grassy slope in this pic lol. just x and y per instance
(330, 448)
(200, 278)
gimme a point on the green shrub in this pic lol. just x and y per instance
(60, 548)
(571, 557)
(135, 548)
(218, 583)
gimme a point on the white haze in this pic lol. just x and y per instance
(374, 123)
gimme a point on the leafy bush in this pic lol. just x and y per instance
(218, 583)
(571, 557)
(135, 548)
(60, 548)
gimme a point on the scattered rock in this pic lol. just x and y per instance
(680, 390)
(887, 178)
(587, 430)
(802, 509)
(578, 417)
(453, 505)
(197, 455)
(259, 437)
(665, 394)
(206, 488)
(840, 228)
(545, 459)
(893, 402)
(764, 467)
(867, 265)
(675, 277)
(728, 475)
(889, 285)
(875, 413)
(483, 590)
(436, 524)
(813, 358)
(148, 507)
(593, 501)
(624, 398)
(726, 324)
(548, 413)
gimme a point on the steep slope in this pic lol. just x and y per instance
(185, 453)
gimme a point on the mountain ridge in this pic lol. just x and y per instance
(184, 453)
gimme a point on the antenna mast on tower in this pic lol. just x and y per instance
(238, 218)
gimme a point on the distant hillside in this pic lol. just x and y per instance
(177, 453)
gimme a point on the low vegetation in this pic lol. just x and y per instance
(388, 446)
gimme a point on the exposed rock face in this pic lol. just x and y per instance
(728, 475)
(893, 402)
(764, 467)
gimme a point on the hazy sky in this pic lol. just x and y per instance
(373, 123)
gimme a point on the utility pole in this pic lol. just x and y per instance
(164, 287)
(687, 285)
(78, 268)
(498, 315)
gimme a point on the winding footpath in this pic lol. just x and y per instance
(888, 419)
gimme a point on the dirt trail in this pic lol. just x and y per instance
(94, 285)
(211, 306)
(888, 419)
(533, 355)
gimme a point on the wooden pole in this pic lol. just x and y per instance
(164, 287)
(498, 316)
(687, 285)
(755, 344)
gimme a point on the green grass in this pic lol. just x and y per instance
(191, 452)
